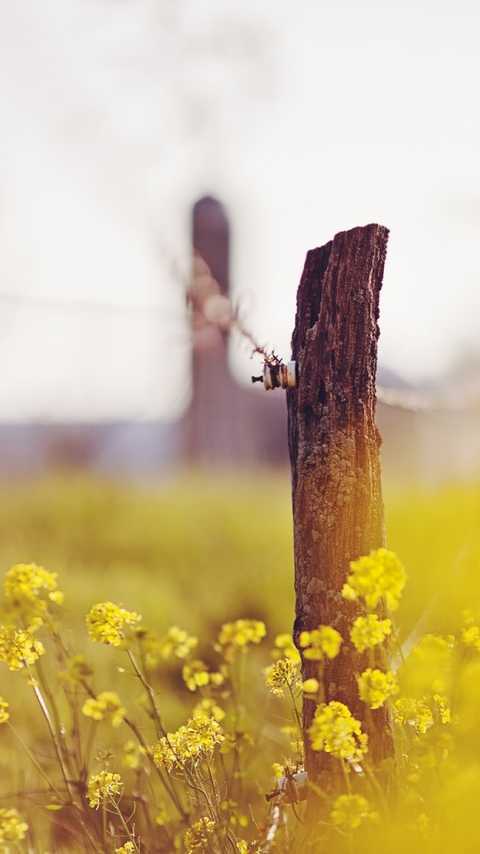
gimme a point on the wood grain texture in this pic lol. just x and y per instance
(334, 454)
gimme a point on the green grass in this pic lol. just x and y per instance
(199, 552)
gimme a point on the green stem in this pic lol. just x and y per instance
(34, 761)
(124, 823)
(169, 787)
(44, 709)
(161, 731)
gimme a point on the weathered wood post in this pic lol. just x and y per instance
(334, 454)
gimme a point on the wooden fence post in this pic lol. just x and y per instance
(334, 454)
(208, 435)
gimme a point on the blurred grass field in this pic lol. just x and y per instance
(198, 551)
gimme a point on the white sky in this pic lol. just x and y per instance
(305, 118)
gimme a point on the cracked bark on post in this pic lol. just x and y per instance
(334, 454)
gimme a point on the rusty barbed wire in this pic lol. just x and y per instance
(214, 310)
(211, 307)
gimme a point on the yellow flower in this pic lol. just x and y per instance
(471, 637)
(336, 731)
(278, 770)
(197, 837)
(414, 713)
(210, 708)
(376, 577)
(178, 643)
(239, 635)
(233, 814)
(106, 623)
(132, 754)
(191, 743)
(443, 708)
(24, 584)
(350, 811)
(324, 642)
(310, 686)
(285, 648)
(103, 787)
(195, 674)
(282, 676)
(369, 631)
(4, 713)
(375, 687)
(106, 705)
(12, 827)
(18, 647)
(128, 848)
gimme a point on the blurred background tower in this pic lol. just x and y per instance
(226, 424)
(208, 427)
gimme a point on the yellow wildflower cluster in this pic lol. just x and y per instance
(4, 713)
(196, 675)
(239, 635)
(376, 577)
(102, 787)
(18, 647)
(321, 643)
(198, 836)
(282, 676)
(198, 787)
(106, 623)
(244, 847)
(369, 631)
(12, 828)
(285, 648)
(471, 637)
(350, 811)
(422, 714)
(209, 707)
(375, 687)
(23, 586)
(177, 643)
(442, 708)
(132, 754)
(414, 713)
(336, 731)
(233, 814)
(106, 706)
(190, 744)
